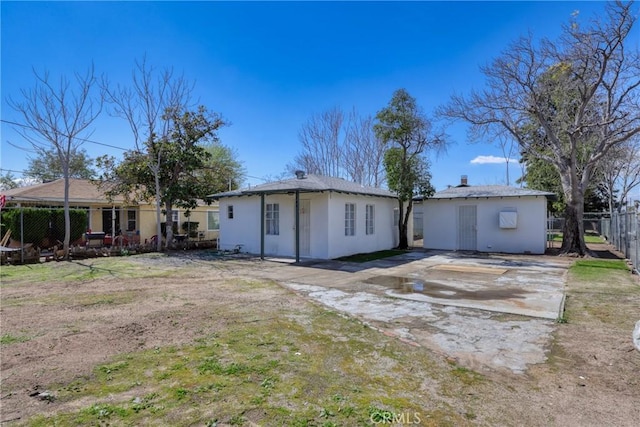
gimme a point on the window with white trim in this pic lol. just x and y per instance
(273, 218)
(349, 219)
(213, 220)
(230, 211)
(131, 220)
(370, 219)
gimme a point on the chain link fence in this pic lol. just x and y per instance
(622, 230)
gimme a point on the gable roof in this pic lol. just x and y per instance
(488, 191)
(308, 184)
(80, 191)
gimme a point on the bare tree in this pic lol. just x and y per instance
(56, 116)
(363, 152)
(508, 147)
(345, 148)
(143, 105)
(580, 95)
(321, 143)
(621, 173)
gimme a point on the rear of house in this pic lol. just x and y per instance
(333, 218)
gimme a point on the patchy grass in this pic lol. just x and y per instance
(467, 376)
(7, 339)
(372, 256)
(596, 270)
(278, 371)
(599, 289)
(588, 238)
(74, 271)
(84, 299)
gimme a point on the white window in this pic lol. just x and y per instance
(213, 220)
(175, 216)
(230, 211)
(273, 218)
(370, 219)
(349, 219)
(131, 220)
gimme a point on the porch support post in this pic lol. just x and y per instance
(262, 226)
(297, 226)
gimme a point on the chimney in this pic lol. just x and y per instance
(464, 181)
(300, 174)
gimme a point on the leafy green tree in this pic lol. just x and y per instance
(413, 181)
(46, 165)
(8, 181)
(183, 173)
(223, 167)
(542, 175)
(580, 93)
(408, 134)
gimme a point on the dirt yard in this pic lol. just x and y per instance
(70, 329)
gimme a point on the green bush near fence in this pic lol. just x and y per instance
(41, 224)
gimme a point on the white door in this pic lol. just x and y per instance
(467, 228)
(305, 228)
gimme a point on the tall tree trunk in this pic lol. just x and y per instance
(67, 218)
(573, 229)
(156, 178)
(169, 225)
(403, 242)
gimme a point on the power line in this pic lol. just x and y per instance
(79, 139)
(92, 142)
(12, 170)
(23, 172)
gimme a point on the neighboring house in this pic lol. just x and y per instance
(333, 218)
(486, 218)
(137, 223)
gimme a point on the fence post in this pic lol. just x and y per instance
(21, 233)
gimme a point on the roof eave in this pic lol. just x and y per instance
(293, 191)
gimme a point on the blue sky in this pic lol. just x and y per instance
(267, 67)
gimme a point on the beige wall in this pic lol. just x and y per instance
(147, 221)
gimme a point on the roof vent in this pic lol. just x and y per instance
(300, 174)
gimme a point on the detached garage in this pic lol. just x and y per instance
(487, 218)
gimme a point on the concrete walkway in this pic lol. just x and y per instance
(485, 311)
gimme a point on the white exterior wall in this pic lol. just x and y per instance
(441, 224)
(244, 228)
(383, 236)
(326, 225)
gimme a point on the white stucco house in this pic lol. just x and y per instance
(486, 218)
(309, 216)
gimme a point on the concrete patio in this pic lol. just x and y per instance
(486, 311)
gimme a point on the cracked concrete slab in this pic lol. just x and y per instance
(487, 311)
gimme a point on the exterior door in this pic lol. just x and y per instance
(305, 227)
(109, 221)
(467, 228)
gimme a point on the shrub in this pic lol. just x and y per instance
(40, 224)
